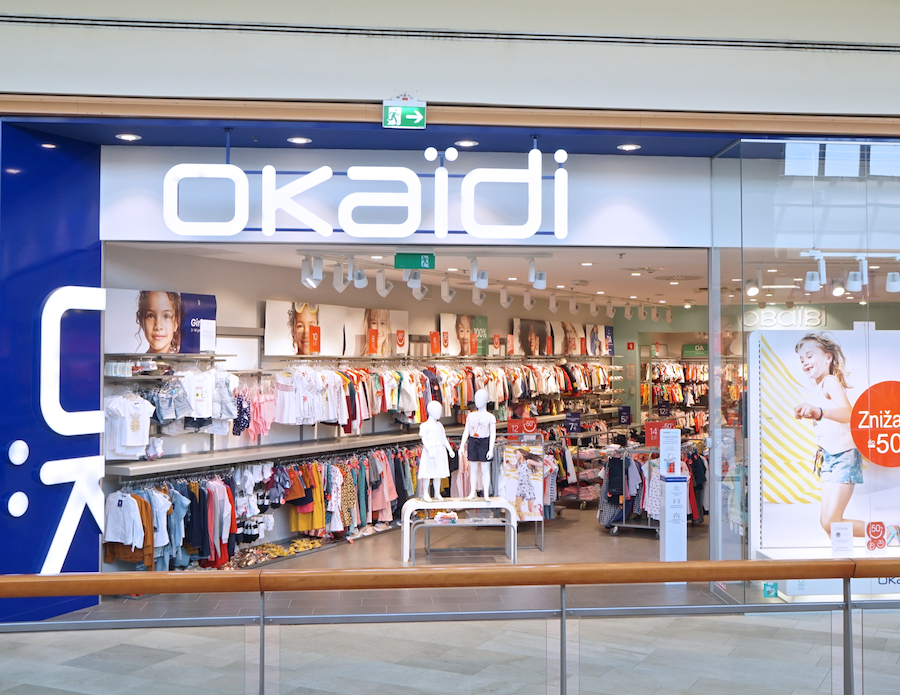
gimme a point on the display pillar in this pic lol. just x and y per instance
(673, 506)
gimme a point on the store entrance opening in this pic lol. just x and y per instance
(308, 373)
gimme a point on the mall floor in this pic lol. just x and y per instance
(790, 653)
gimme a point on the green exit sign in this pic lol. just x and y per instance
(403, 114)
(414, 261)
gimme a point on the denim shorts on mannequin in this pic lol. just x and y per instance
(845, 467)
(477, 448)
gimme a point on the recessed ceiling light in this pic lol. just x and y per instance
(687, 306)
(587, 264)
(798, 279)
(299, 141)
(600, 292)
(863, 302)
(559, 287)
(452, 270)
(730, 295)
(768, 294)
(634, 296)
(48, 145)
(13, 171)
(771, 270)
(128, 137)
(736, 279)
(466, 143)
(874, 267)
(807, 294)
(377, 258)
(674, 282)
(512, 278)
(628, 147)
(662, 301)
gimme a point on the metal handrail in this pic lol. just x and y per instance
(258, 580)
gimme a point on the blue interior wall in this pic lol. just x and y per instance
(49, 237)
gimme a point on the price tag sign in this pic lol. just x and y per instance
(548, 346)
(665, 408)
(653, 428)
(315, 339)
(573, 423)
(473, 344)
(624, 415)
(401, 340)
(373, 341)
(509, 344)
(435, 340)
(583, 346)
(521, 428)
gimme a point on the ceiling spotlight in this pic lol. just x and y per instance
(610, 309)
(413, 278)
(554, 307)
(854, 281)
(382, 285)
(466, 143)
(128, 137)
(505, 299)
(450, 154)
(48, 145)
(299, 141)
(573, 306)
(431, 154)
(688, 305)
(654, 313)
(761, 305)
(477, 296)
(340, 283)
(627, 313)
(813, 282)
(360, 281)
(447, 294)
(837, 288)
(642, 312)
(420, 292)
(893, 283)
(527, 301)
(312, 271)
(537, 278)
(628, 147)
(593, 308)
(788, 305)
(668, 315)
(752, 288)
(479, 277)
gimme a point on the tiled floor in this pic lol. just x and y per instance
(574, 537)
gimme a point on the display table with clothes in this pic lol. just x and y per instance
(455, 504)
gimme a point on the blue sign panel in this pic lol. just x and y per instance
(49, 238)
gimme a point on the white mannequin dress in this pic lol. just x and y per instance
(434, 462)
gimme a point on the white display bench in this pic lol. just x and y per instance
(456, 504)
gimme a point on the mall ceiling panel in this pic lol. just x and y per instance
(371, 136)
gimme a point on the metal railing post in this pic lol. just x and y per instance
(562, 639)
(262, 643)
(848, 639)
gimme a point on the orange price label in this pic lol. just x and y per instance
(401, 339)
(435, 339)
(373, 341)
(315, 338)
(473, 344)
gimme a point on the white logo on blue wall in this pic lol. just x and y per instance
(275, 198)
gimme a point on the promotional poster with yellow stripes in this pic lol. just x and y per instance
(824, 441)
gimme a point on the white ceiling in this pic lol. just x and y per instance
(621, 274)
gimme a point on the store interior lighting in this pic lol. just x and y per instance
(340, 282)
(537, 278)
(753, 287)
(554, 307)
(668, 315)
(627, 313)
(478, 296)
(893, 283)
(447, 293)
(854, 281)
(360, 279)
(420, 292)
(593, 308)
(312, 270)
(478, 277)
(382, 285)
(813, 282)
(837, 288)
(654, 314)
(573, 306)
(505, 299)
(528, 300)
(412, 278)
(610, 309)
(642, 312)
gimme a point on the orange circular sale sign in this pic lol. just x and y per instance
(875, 424)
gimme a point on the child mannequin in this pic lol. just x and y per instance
(480, 434)
(434, 463)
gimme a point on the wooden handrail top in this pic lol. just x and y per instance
(256, 580)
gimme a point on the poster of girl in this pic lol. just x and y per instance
(159, 317)
(301, 317)
(378, 320)
(823, 362)
(522, 481)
